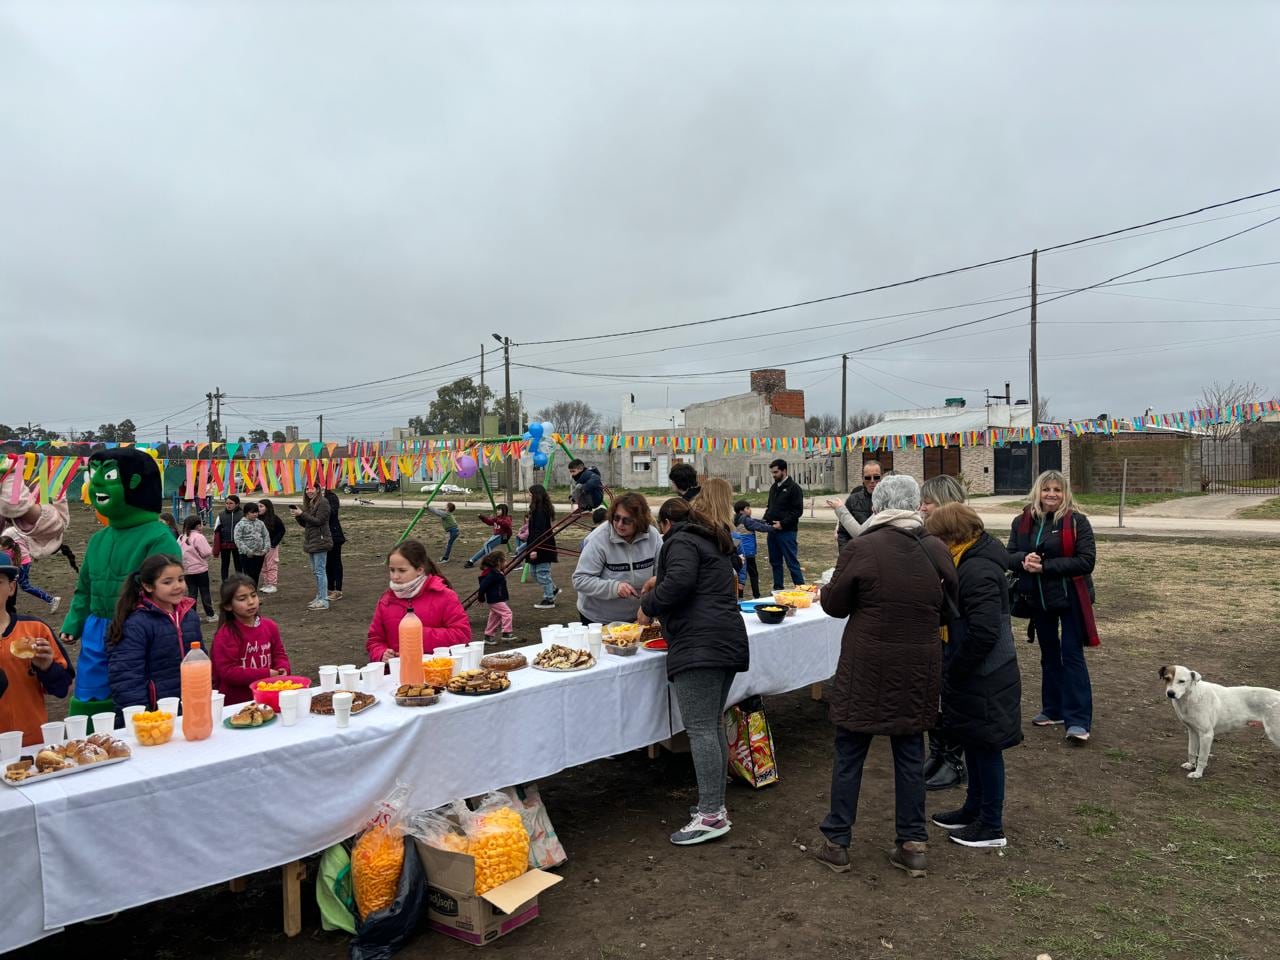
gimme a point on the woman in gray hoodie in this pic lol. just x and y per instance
(617, 562)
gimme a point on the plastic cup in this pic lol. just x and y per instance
(350, 679)
(371, 677)
(440, 652)
(328, 678)
(216, 703)
(77, 727)
(595, 643)
(304, 701)
(168, 705)
(10, 745)
(393, 666)
(104, 722)
(459, 663)
(288, 707)
(129, 713)
(458, 650)
(53, 732)
(342, 708)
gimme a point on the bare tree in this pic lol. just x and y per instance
(826, 425)
(863, 419)
(570, 416)
(1042, 415)
(1228, 395)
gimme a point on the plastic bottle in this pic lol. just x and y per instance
(197, 694)
(411, 648)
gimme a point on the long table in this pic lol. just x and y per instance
(187, 815)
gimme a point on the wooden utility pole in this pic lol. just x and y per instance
(1035, 375)
(321, 419)
(844, 422)
(504, 423)
(480, 432)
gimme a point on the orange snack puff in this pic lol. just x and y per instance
(376, 861)
(437, 671)
(500, 847)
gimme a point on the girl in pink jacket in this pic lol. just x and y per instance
(416, 585)
(195, 563)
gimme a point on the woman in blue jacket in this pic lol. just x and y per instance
(153, 629)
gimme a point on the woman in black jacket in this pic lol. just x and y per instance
(333, 563)
(542, 544)
(1051, 548)
(981, 684)
(696, 596)
(224, 534)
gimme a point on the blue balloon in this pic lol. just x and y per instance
(535, 432)
(540, 460)
(547, 428)
(526, 435)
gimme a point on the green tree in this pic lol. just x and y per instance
(7, 432)
(277, 436)
(126, 431)
(456, 408)
(257, 436)
(107, 432)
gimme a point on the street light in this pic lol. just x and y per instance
(506, 418)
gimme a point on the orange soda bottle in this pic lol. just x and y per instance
(411, 648)
(197, 694)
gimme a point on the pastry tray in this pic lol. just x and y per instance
(55, 774)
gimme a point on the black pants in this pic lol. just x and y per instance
(753, 574)
(230, 556)
(252, 567)
(333, 567)
(846, 784)
(198, 583)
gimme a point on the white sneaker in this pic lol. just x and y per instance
(702, 828)
(267, 589)
(211, 618)
(54, 604)
(318, 605)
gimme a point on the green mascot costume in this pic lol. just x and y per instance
(126, 490)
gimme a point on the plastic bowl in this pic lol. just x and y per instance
(152, 733)
(627, 651)
(271, 698)
(771, 616)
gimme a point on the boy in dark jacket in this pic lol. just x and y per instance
(224, 533)
(493, 591)
(786, 507)
(745, 528)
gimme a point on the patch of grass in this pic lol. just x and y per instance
(1021, 889)
(1263, 511)
(1115, 753)
(1099, 821)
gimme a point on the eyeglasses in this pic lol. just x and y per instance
(871, 477)
(624, 521)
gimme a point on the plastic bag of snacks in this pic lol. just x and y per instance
(499, 841)
(545, 849)
(751, 753)
(435, 829)
(378, 856)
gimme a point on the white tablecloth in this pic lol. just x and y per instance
(190, 815)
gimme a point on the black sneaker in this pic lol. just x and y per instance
(508, 637)
(556, 593)
(978, 835)
(953, 819)
(545, 604)
(468, 565)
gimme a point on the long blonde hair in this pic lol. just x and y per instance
(1051, 476)
(716, 501)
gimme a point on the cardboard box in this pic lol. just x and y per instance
(454, 909)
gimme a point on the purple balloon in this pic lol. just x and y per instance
(465, 467)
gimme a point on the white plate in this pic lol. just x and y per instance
(585, 666)
(54, 775)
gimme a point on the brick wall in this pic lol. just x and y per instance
(788, 403)
(768, 381)
(1156, 464)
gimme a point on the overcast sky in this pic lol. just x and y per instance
(277, 198)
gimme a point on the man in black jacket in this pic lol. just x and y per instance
(858, 503)
(786, 507)
(684, 478)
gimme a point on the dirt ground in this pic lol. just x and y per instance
(1113, 852)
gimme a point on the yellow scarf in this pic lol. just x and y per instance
(957, 551)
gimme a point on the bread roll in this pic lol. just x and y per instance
(23, 648)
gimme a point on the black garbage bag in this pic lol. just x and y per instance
(383, 932)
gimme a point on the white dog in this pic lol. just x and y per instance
(1208, 708)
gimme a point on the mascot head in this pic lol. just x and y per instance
(125, 486)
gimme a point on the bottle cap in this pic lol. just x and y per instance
(195, 644)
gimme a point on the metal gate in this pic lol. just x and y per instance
(1013, 464)
(1239, 466)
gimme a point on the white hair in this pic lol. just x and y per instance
(896, 492)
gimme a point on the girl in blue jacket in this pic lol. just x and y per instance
(153, 629)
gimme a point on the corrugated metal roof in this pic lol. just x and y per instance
(948, 420)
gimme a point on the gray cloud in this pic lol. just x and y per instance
(277, 198)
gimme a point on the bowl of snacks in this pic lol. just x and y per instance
(621, 633)
(771, 613)
(801, 599)
(153, 727)
(436, 671)
(267, 692)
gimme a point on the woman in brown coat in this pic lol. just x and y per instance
(894, 583)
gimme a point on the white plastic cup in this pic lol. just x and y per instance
(342, 708)
(458, 650)
(54, 732)
(350, 677)
(10, 745)
(288, 707)
(77, 728)
(459, 663)
(595, 643)
(549, 634)
(217, 701)
(328, 678)
(393, 665)
(371, 677)
(441, 652)
(130, 713)
(104, 722)
(304, 701)
(168, 705)
(475, 653)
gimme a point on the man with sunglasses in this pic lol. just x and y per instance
(858, 503)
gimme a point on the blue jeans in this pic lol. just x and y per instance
(846, 784)
(542, 573)
(985, 799)
(319, 567)
(1065, 691)
(782, 549)
(491, 544)
(453, 535)
(24, 581)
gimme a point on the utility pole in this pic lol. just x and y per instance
(504, 427)
(208, 430)
(321, 419)
(480, 432)
(166, 438)
(1035, 375)
(844, 421)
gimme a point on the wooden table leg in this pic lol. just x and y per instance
(291, 877)
(239, 884)
(815, 691)
(653, 751)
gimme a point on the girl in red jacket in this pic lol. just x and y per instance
(416, 585)
(501, 523)
(246, 647)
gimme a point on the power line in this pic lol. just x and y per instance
(367, 383)
(901, 283)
